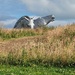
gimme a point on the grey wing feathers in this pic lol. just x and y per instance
(39, 21)
(48, 19)
(22, 22)
(43, 20)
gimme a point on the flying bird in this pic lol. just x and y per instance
(27, 22)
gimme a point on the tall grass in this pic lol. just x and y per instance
(55, 47)
(6, 34)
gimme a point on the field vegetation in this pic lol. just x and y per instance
(35, 70)
(43, 46)
(39, 46)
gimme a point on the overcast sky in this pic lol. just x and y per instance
(12, 10)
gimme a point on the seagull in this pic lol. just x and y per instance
(27, 22)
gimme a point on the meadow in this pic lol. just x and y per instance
(35, 70)
(47, 49)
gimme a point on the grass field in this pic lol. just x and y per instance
(46, 46)
(26, 49)
(7, 34)
(36, 70)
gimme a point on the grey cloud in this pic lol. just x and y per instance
(8, 23)
(62, 9)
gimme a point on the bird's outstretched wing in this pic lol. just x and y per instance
(44, 20)
(49, 18)
(22, 22)
(39, 21)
